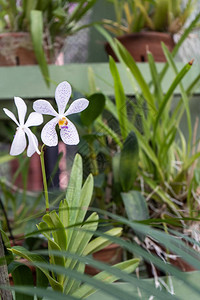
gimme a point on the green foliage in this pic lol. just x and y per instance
(95, 108)
(70, 231)
(176, 243)
(160, 15)
(135, 205)
(48, 22)
(165, 165)
(129, 162)
(36, 28)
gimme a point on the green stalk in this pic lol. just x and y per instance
(44, 179)
(169, 93)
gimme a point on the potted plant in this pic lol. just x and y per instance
(142, 25)
(34, 32)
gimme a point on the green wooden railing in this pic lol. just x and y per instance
(27, 82)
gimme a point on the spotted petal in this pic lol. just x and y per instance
(34, 119)
(33, 143)
(69, 135)
(49, 135)
(19, 143)
(62, 95)
(77, 106)
(11, 115)
(44, 107)
(21, 108)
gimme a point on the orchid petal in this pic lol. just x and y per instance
(62, 95)
(19, 143)
(44, 107)
(49, 135)
(34, 119)
(33, 143)
(69, 134)
(11, 115)
(77, 106)
(21, 108)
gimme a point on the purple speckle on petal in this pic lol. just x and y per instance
(64, 127)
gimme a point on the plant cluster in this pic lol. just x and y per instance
(156, 15)
(149, 162)
(47, 22)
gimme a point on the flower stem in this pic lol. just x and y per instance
(44, 179)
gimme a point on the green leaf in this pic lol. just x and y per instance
(108, 131)
(131, 64)
(183, 93)
(52, 245)
(22, 275)
(64, 213)
(74, 185)
(155, 77)
(5, 158)
(85, 199)
(37, 39)
(128, 266)
(58, 230)
(129, 162)
(41, 280)
(120, 99)
(135, 206)
(79, 241)
(169, 93)
(74, 190)
(21, 251)
(94, 109)
(56, 260)
(100, 242)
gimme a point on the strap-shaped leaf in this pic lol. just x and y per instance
(37, 39)
(21, 251)
(94, 109)
(64, 213)
(58, 230)
(100, 242)
(169, 93)
(129, 162)
(52, 245)
(135, 205)
(80, 238)
(74, 188)
(120, 99)
(128, 266)
(22, 275)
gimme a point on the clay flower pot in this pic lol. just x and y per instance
(111, 254)
(138, 44)
(17, 49)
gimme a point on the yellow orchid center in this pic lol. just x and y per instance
(63, 122)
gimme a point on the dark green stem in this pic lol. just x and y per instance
(44, 179)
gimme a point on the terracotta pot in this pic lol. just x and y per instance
(178, 262)
(34, 181)
(17, 49)
(111, 254)
(138, 44)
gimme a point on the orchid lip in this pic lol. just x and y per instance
(63, 122)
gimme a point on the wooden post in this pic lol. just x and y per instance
(4, 279)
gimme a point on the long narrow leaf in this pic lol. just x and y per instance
(37, 39)
(120, 99)
(169, 93)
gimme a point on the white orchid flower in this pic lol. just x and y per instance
(19, 142)
(68, 132)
